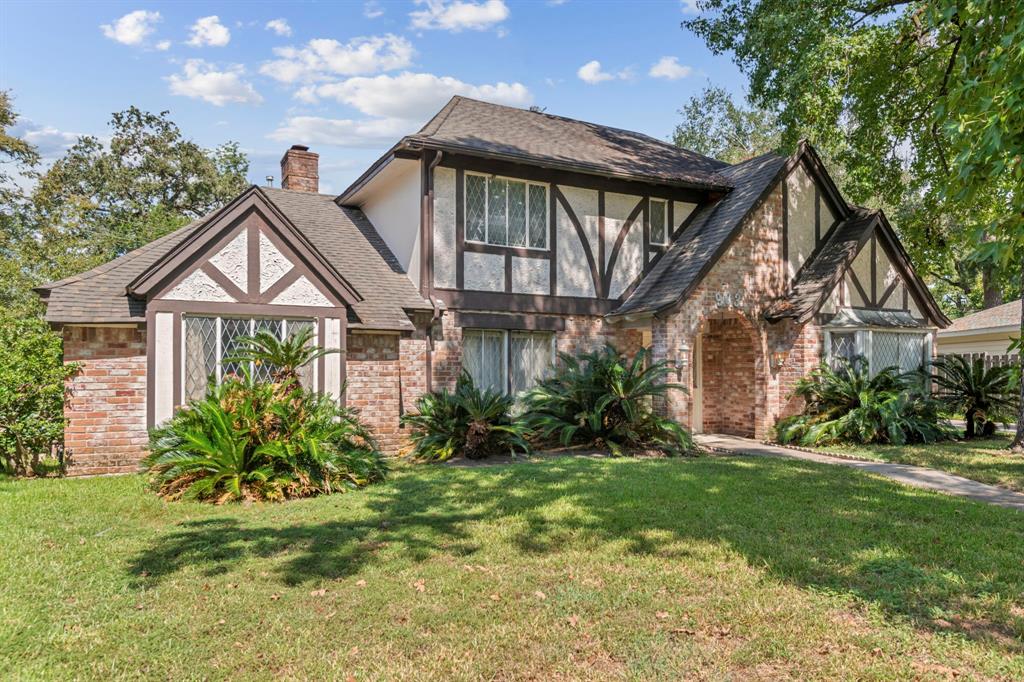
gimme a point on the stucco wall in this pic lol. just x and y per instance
(394, 210)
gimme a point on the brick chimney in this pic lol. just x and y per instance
(300, 169)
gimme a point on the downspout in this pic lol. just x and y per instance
(428, 240)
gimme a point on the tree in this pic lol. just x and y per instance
(974, 390)
(16, 157)
(100, 200)
(913, 98)
(714, 125)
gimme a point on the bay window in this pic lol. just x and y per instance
(208, 342)
(906, 350)
(506, 212)
(507, 361)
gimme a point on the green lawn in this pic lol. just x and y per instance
(986, 460)
(568, 568)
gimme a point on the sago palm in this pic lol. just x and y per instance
(969, 388)
(284, 358)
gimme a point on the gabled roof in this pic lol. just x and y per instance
(342, 237)
(996, 318)
(701, 244)
(825, 268)
(511, 134)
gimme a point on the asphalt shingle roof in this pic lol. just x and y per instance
(343, 236)
(825, 268)
(700, 245)
(493, 129)
(999, 316)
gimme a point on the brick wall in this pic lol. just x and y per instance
(741, 285)
(106, 410)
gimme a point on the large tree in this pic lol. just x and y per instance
(715, 125)
(915, 99)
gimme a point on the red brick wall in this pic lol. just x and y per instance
(729, 356)
(106, 410)
(748, 278)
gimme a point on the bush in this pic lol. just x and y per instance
(846, 404)
(981, 394)
(32, 389)
(602, 399)
(250, 440)
(467, 421)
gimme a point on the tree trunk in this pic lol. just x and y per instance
(1018, 440)
(969, 427)
(992, 293)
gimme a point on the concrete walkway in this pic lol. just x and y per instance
(918, 477)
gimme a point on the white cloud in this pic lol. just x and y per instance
(49, 141)
(341, 132)
(209, 31)
(372, 9)
(163, 45)
(324, 58)
(132, 28)
(279, 26)
(670, 68)
(202, 80)
(413, 96)
(459, 15)
(591, 73)
(689, 6)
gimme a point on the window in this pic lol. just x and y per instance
(506, 212)
(509, 362)
(658, 218)
(208, 341)
(906, 351)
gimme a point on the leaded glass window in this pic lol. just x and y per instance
(506, 212)
(843, 347)
(209, 342)
(659, 221)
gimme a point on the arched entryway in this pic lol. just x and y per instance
(728, 357)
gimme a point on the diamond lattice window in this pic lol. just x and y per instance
(506, 212)
(659, 221)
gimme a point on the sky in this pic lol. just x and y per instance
(349, 79)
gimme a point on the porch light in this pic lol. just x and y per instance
(682, 361)
(778, 359)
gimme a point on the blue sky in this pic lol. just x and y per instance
(349, 79)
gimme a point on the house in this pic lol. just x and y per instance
(988, 332)
(487, 241)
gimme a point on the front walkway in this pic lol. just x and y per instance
(918, 477)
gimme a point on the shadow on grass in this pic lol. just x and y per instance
(916, 555)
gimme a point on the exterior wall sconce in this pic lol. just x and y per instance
(778, 359)
(682, 361)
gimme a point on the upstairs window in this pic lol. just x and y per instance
(506, 212)
(658, 218)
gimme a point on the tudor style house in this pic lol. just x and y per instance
(487, 241)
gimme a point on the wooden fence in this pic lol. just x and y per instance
(990, 359)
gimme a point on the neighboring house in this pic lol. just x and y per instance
(487, 241)
(987, 331)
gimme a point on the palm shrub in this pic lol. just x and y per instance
(467, 421)
(603, 399)
(846, 404)
(284, 358)
(967, 387)
(262, 440)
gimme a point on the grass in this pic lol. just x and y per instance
(569, 568)
(986, 460)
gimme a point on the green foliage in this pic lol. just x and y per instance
(979, 393)
(716, 126)
(467, 421)
(31, 393)
(846, 404)
(250, 440)
(285, 358)
(603, 399)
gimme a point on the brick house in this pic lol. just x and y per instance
(487, 241)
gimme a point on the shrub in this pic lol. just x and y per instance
(603, 399)
(251, 440)
(979, 393)
(845, 404)
(466, 421)
(32, 389)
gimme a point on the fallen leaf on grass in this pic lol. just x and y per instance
(275, 597)
(318, 593)
(661, 615)
(495, 597)
(138, 607)
(540, 595)
(420, 586)
(360, 583)
(683, 631)
(573, 620)
(330, 615)
(221, 622)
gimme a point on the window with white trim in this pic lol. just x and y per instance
(904, 350)
(507, 361)
(658, 218)
(207, 341)
(506, 212)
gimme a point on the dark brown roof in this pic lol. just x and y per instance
(703, 242)
(823, 271)
(508, 133)
(1005, 315)
(343, 236)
